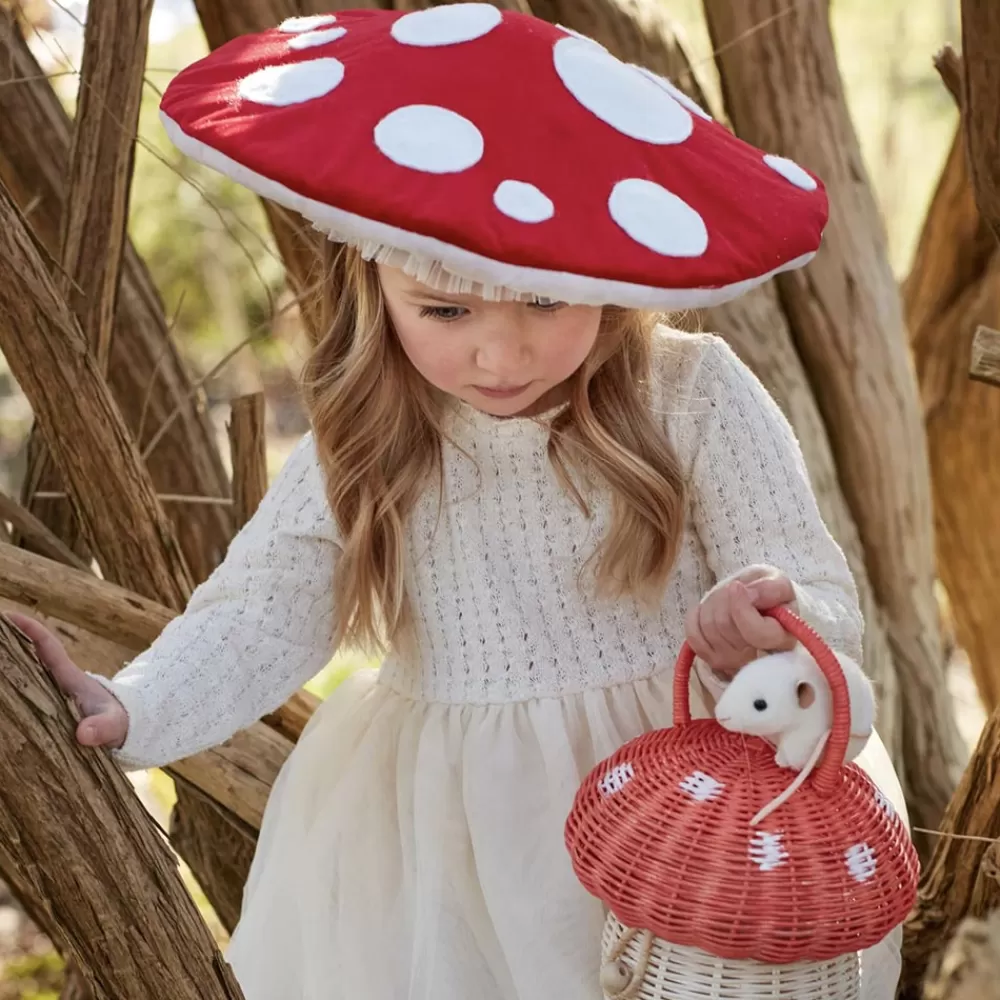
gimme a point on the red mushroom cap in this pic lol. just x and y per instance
(666, 833)
(499, 148)
(660, 832)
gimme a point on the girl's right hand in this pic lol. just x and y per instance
(104, 720)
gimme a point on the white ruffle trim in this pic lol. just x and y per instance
(454, 270)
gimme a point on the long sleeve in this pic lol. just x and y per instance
(753, 502)
(256, 630)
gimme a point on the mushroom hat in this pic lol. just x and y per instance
(490, 151)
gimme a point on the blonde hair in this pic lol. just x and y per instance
(378, 431)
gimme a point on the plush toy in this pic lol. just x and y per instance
(785, 698)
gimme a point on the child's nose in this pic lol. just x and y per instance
(503, 355)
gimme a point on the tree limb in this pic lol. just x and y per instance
(248, 451)
(784, 94)
(122, 911)
(43, 540)
(100, 168)
(980, 107)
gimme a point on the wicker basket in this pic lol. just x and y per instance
(707, 902)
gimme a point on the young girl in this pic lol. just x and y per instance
(524, 505)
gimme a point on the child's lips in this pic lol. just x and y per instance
(502, 392)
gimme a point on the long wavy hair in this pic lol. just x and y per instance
(378, 429)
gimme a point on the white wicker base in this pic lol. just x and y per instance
(673, 972)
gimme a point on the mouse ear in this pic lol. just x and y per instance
(805, 693)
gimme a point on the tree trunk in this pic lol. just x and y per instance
(784, 94)
(146, 375)
(960, 880)
(954, 285)
(970, 969)
(121, 910)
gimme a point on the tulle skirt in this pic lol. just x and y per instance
(414, 850)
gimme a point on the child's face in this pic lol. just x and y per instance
(505, 358)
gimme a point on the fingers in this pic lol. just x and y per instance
(727, 629)
(51, 652)
(757, 630)
(106, 728)
(770, 592)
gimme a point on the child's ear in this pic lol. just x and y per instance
(805, 693)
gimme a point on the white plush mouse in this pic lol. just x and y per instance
(785, 698)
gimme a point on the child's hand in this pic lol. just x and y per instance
(105, 721)
(727, 629)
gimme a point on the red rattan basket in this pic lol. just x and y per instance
(661, 832)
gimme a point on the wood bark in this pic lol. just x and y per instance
(980, 107)
(956, 883)
(784, 94)
(122, 911)
(100, 164)
(111, 491)
(146, 374)
(248, 451)
(953, 286)
(985, 365)
(42, 540)
(970, 968)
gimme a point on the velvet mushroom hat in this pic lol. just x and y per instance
(489, 151)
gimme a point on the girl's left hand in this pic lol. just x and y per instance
(727, 629)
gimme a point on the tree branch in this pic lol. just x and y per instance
(248, 450)
(100, 174)
(122, 911)
(42, 540)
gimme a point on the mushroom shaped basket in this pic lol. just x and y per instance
(707, 903)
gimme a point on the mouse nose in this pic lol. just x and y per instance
(760, 704)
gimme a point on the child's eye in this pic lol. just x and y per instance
(444, 314)
(547, 305)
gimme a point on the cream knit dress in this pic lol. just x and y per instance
(412, 847)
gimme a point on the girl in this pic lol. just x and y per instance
(524, 505)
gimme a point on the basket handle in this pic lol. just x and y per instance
(828, 769)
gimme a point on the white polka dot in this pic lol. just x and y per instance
(791, 171)
(861, 862)
(618, 95)
(446, 25)
(292, 83)
(312, 38)
(428, 138)
(658, 219)
(675, 92)
(616, 779)
(767, 851)
(523, 202)
(702, 787)
(296, 24)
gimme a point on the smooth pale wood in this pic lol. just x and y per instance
(953, 287)
(757, 329)
(248, 455)
(146, 374)
(100, 164)
(123, 913)
(970, 967)
(985, 365)
(980, 106)
(783, 92)
(953, 880)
